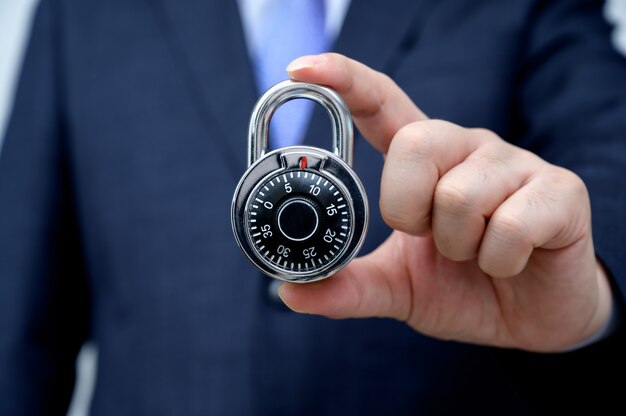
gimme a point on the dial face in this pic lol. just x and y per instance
(299, 221)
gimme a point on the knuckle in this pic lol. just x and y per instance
(376, 98)
(413, 141)
(492, 156)
(509, 230)
(454, 197)
(565, 182)
(419, 139)
(485, 134)
(573, 183)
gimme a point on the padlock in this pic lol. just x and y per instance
(300, 213)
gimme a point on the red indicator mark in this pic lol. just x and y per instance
(303, 162)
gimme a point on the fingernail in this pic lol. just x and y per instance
(308, 61)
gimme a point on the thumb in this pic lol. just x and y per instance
(367, 287)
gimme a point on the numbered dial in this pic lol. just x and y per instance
(299, 221)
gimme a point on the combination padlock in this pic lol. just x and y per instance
(300, 213)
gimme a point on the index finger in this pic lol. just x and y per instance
(379, 107)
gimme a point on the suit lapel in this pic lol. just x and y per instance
(374, 30)
(207, 40)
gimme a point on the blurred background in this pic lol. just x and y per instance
(15, 17)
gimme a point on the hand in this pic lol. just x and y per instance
(492, 245)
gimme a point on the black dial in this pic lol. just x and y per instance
(299, 221)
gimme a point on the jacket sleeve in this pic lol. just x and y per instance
(571, 110)
(572, 102)
(44, 304)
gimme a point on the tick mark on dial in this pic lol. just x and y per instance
(295, 233)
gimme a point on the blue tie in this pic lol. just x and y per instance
(290, 28)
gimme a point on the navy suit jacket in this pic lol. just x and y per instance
(126, 143)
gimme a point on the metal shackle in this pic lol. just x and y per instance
(343, 134)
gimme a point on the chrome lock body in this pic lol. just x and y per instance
(300, 213)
